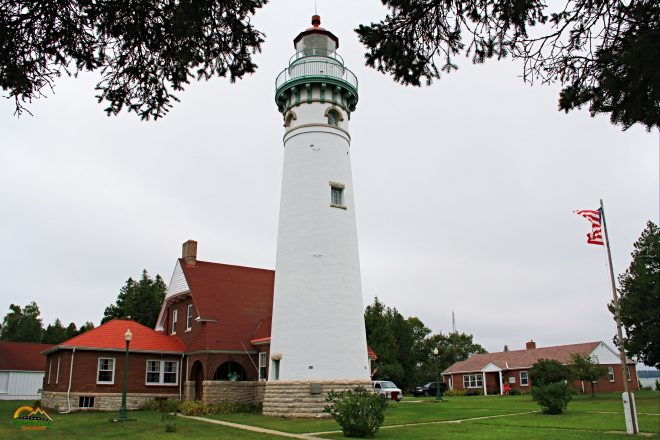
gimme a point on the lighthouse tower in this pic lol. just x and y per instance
(318, 329)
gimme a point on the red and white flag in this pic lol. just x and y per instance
(596, 234)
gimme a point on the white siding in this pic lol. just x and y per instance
(21, 384)
(178, 284)
(605, 355)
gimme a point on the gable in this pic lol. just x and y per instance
(605, 355)
(177, 286)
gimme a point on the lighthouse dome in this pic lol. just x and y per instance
(316, 40)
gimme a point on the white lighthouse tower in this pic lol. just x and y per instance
(318, 332)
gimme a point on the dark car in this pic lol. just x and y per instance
(429, 389)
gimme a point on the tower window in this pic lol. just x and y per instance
(337, 195)
(333, 118)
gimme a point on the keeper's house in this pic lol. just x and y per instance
(487, 373)
(211, 343)
(22, 370)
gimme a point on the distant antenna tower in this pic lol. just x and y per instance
(453, 322)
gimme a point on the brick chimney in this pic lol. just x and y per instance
(530, 345)
(190, 253)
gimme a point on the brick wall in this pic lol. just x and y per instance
(85, 371)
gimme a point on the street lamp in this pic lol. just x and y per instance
(438, 391)
(123, 416)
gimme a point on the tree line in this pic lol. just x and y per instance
(139, 300)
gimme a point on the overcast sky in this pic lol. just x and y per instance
(465, 192)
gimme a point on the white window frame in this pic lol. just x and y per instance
(524, 383)
(161, 373)
(189, 318)
(87, 400)
(473, 381)
(628, 373)
(339, 188)
(175, 317)
(98, 370)
(263, 363)
(50, 369)
(610, 373)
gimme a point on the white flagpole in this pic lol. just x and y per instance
(619, 331)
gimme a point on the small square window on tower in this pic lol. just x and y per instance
(337, 195)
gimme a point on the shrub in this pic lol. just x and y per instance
(359, 412)
(197, 408)
(515, 392)
(455, 393)
(552, 397)
(474, 392)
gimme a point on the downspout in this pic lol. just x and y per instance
(68, 391)
(181, 378)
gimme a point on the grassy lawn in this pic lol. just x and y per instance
(586, 418)
(96, 425)
(458, 418)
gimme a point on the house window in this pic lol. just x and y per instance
(628, 373)
(610, 373)
(106, 371)
(50, 368)
(276, 369)
(86, 402)
(162, 372)
(189, 318)
(175, 316)
(57, 374)
(524, 379)
(262, 365)
(337, 195)
(472, 381)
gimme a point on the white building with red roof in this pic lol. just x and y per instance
(22, 369)
(487, 373)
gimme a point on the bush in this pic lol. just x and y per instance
(515, 392)
(451, 393)
(197, 408)
(552, 397)
(359, 412)
(474, 392)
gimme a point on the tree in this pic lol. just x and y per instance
(639, 301)
(139, 300)
(145, 50)
(604, 53)
(22, 325)
(54, 333)
(405, 347)
(585, 367)
(550, 387)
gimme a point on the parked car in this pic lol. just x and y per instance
(389, 389)
(429, 389)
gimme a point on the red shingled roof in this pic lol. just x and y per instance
(110, 336)
(22, 356)
(238, 299)
(510, 360)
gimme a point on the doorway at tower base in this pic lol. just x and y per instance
(304, 398)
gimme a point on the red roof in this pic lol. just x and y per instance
(110, 336)
(22, 356)
(237, 300)
(516, 359)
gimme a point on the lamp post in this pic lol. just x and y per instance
(438, 392)
(123, 416)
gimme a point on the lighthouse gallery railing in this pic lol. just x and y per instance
(316, 68)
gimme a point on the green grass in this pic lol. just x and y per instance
(458, 418)
(96, 425)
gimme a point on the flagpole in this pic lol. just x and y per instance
(617, 317)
